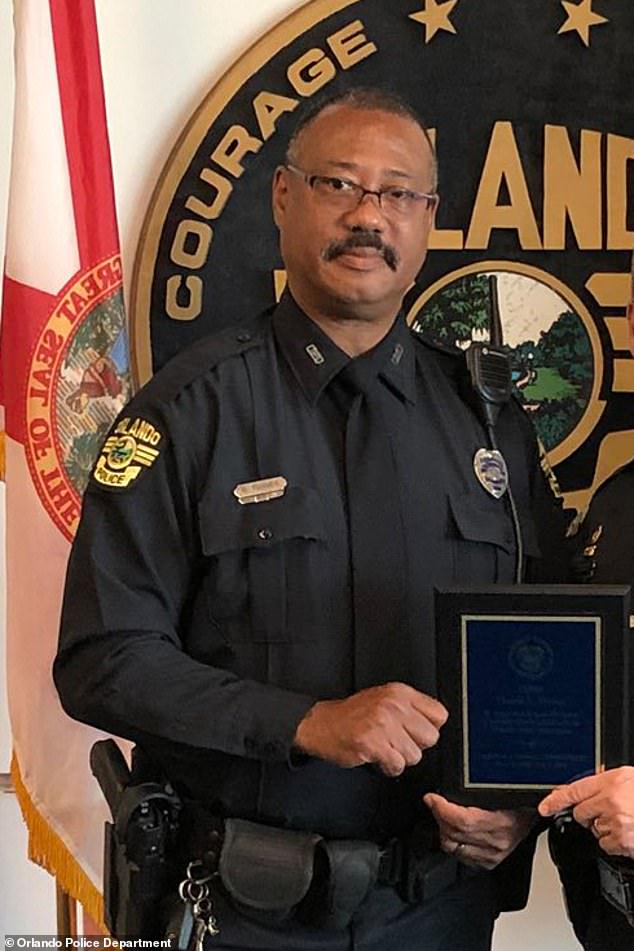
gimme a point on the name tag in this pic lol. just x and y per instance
(261, 491)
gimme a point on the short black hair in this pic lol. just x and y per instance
(360, 97)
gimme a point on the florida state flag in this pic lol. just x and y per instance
(64, 374)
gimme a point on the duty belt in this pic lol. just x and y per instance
(322, 881)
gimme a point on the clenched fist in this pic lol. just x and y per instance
(389, 726)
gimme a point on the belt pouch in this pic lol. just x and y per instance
(264, 867)
(346, 870)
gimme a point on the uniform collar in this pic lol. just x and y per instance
(315, 359)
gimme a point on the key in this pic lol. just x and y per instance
(200, 930)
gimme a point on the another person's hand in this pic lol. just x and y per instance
(390, 726)
(479, 837)
(603, 803)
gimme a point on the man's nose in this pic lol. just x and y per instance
(367, 215)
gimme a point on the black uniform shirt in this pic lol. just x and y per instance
(204, 629)
(608, 529)
(610, 520)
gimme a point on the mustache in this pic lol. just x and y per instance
(363, 239)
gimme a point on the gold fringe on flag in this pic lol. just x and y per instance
(47, 850)
(3, 467)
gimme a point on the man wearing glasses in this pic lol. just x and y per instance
(253, 604)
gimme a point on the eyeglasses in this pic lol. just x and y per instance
(347, 195)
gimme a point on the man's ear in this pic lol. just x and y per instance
(630, 325)
(279, 194)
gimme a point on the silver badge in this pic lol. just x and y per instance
(261, 491)
(490, 468)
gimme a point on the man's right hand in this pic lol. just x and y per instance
(389, 725)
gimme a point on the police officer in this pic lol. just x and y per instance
(250, 593)
(603, 805)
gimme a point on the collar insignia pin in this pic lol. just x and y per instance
(490, 469)
(315, 354)
(397, 355)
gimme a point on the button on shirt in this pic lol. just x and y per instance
(204, 629)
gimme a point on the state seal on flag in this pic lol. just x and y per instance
(78, 381)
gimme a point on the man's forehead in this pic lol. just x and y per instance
(352, 123)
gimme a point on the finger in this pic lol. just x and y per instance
(390, 761)
(435, 804)
(444, 811)
(455, 847)
(570, 795)
(474, 856)
(597, 830)
(409, 749)
(466, 818)
(430, 708)
(586, 812)
(422, 732)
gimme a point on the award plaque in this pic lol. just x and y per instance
(535, 679)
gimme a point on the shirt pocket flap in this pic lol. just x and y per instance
(482, 519)
(485, 519)
(229, 526)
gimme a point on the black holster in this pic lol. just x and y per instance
(139, 846)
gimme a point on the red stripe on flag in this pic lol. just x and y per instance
(23, 311)
(85, 130)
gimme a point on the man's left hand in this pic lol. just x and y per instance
(479, 837)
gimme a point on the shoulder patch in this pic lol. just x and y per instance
(132, 447)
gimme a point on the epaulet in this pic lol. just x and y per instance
(204, 355)
(446, 350)
(449, 359)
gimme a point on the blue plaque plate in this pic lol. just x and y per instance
(532, 694)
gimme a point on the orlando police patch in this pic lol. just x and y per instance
(130, 449)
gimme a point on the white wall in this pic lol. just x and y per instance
(151, 88)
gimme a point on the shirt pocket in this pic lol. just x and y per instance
(484, 546)
(264, 565)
